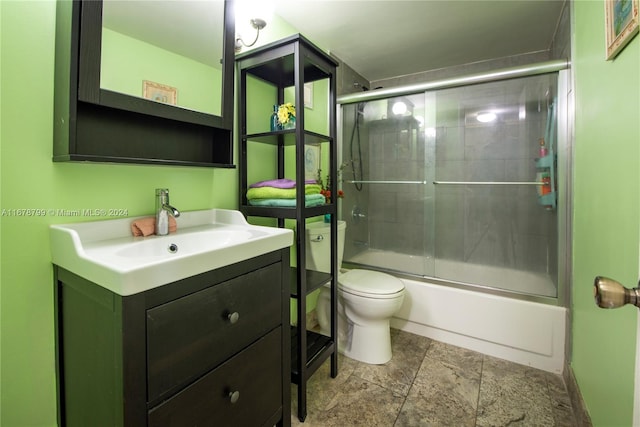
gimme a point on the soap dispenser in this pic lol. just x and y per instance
(543, 148)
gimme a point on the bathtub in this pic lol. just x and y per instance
(525, 332)
(484, 275)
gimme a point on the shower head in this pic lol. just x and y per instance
(362, 87)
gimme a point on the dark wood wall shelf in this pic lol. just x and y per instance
(92, 124)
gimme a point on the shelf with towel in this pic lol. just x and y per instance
(293, 61)
(285, 212)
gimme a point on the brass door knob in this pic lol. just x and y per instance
(609, 293)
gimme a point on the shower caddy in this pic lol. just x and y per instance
(548, 162)
(294, 61)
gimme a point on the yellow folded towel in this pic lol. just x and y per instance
(280, 193)
(147, 226)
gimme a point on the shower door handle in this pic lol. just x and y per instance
(609, 293)
(488, 182)
(357, 215)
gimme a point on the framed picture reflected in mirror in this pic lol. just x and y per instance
(159, 92)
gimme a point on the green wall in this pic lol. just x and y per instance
(29, 179)
(606, 213)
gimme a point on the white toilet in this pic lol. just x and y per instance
(366, 300)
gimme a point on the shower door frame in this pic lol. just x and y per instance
(564, 156)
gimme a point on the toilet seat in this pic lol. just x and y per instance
(370, 284)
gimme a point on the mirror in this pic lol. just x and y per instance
(167, 51)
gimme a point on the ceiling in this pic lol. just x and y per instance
(377, 38)
(389, 38)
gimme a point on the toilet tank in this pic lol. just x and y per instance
(318, 245)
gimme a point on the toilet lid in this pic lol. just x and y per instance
(370, 282)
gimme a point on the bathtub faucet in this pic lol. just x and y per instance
(163, 210)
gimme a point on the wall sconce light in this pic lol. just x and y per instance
(251, 15)
(258, 24)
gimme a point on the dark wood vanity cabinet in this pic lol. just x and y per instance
(209, 350)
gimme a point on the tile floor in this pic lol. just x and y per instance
(429, 383)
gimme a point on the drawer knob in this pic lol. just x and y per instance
(234, 396)
(233, 317)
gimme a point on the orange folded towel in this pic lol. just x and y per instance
(147, 226)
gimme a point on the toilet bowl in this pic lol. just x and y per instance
(366, 301)
(364, 312)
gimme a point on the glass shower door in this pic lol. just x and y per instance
(384, 179)
(450, 184)
(491, 229)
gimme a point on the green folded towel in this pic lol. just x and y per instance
(309, 201)
(312, 188)
(280, 193)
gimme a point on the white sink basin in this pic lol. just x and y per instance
(189, 243)
(106, 252)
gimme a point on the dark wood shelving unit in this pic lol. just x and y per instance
(292, 62)
(318, 349)
(315, 280)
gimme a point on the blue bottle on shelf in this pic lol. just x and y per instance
(274, 120)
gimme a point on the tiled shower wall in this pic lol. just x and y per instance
(398, 212)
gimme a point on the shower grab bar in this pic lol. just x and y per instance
(489, 183)
(386, 182)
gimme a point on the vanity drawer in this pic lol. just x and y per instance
(253, 378)
(191, 335)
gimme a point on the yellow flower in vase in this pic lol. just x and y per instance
(287, 115)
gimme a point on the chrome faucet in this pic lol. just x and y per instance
(163, 210)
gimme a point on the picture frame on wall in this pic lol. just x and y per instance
(311, 161)
(621, 24)
(308, 95)
(159, 92)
